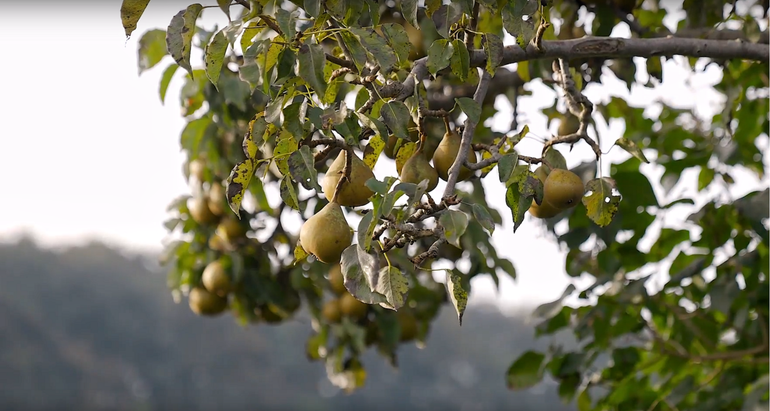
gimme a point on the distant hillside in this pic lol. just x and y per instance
(92, 329)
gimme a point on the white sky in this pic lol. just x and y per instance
(87, 151)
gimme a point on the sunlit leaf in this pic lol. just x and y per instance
(237, 182)
(180, 33)
(285, 145)
(373, 150)
(602, 203)
(404, 153)
(299, 254)
(457, 294)
(130, 13)
(631, 148)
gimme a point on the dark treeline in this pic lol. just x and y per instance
(91, 328)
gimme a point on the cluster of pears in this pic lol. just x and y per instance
(344, 305)
(209, 209)
(417, 168)
(562, 189)
(210, 298)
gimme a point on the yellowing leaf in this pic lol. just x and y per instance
(215, 56)
(457, 294)
(285, 144)
(130, 13)
(237, 182)
(251, 140)
(180, 33)
(289, 192)
(406, 151)
(299, 254)
(602, 204)
(394, 286)
(373, 150)
(631, 148)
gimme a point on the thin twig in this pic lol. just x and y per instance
(470, 33)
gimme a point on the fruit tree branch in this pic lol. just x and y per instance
(467, 138)
(609, 47)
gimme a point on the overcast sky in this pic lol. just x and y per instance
(87, 151)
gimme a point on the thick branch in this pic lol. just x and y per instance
(467, 139)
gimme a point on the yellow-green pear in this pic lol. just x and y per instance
(563, 189)
(445, 155)
(354, 192)
(417, 168)
(327, 234)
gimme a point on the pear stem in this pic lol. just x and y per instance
(467, 137)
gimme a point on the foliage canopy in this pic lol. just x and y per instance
(285, 87)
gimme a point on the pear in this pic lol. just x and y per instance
(205, 303)
(327, 234)
(541, 173)
(563, 189)
(417, 168)
(445, 155)
(569, 125)
(215, 279)
(354, 192)
(545, 210)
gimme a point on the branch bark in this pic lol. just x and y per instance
(467, 138)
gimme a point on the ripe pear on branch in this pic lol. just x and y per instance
(446, 153)
(354, 191)
(327, 234)
(417, 168)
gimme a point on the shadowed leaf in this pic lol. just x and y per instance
(180, 33)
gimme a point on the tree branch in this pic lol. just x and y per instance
(467, 138)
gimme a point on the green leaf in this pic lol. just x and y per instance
(455, 223)
(312, 7)
(355, 48)
(705, 177)
(445, 17)
(357, 282)
(518, 204)
(285, 145)
(311, 66)
(601, 204)
(249, 71)
(165, 80)
(225, 6)
(215, 56)
(251, 140)
(287, 22)
(396, 116)
(152, 49)
(398, 40)
(493, 49)
(394, 286)
(461, 60)
(631, 148)
(555, 158)
(237, 182)
(506, 165)
(470, 107)
(194, 134)
(457, 294)
(515, 25)
(302, 168)
(481, 214)
(409, 11)
(526, 371)
(289, 193)
(439, 55)
(130, 13)
(377, 47)
(180, 33)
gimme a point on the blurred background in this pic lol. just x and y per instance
(89, 160)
